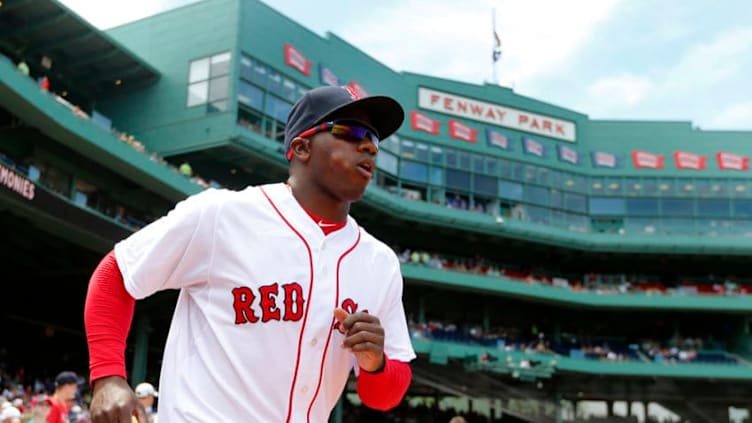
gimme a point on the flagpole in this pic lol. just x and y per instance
(494, 78)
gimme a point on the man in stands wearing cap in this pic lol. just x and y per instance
(61, 401)
(40, 408)
(282, 294)
(10, 414)
(146, 393)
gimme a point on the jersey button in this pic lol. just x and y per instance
(304, 389)
(313, 342)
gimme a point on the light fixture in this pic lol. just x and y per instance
(118, 82)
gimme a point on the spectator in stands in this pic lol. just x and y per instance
(186, 169)
(457, 419)
(146, 394)
(10, 415)
(44, 83)
(23, 68)
(40, 408)
(66, 387)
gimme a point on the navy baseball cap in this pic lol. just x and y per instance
(325, 103)
(66, 378)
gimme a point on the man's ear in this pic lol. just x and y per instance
(301, 148)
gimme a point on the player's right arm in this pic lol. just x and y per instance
(108, 312)
(170, 253)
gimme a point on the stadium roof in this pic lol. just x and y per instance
(55, 41)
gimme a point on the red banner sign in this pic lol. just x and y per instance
(296, 60)
(462, 132)
(421, 122)
(643, 159)
(685, 160)
(729, 161)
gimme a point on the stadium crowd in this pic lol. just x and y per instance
(590, 282)
(671, 351)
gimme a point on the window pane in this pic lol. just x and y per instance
(607, 206)
(437, 175)
(199, 70)
(250, 95)
(458, 179)
(217, 106)
(451, 158)
(390, 144)
(387, 162)
(276, 108)
(575, 202)
(246, 67)
(220, 64)
(464, 161)
(485, 184)
(492, 166)
(557, 199)
(677, 207)
(198, 93)
(537, 195)
(274, 82)
(218, 88)
(510, 190)
(289, 89)
(408, 149)
(437, 155)
(259, 74)
(642, 207)
(413, 171)
(743, 208)
(421, 152)
(717, 208)
(478, 163)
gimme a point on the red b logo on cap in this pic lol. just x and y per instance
(353, 94)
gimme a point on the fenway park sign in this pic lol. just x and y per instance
(496, 114)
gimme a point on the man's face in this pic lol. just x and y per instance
(343, 167)
(68, 393)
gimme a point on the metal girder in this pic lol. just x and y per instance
(89, 58)
(72, 39)
(36, 25)
(9, 7)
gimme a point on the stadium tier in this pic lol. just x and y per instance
(551, 261)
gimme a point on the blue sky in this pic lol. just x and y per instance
(673, 60)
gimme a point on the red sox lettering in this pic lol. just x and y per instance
(350, 307)
(292, 305)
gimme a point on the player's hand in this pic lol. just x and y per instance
(364, 336)
(113, 401)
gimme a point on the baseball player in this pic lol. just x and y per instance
(282, 294)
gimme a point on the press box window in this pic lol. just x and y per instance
(208, 81)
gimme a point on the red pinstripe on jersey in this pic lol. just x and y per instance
(308, 307)
(331, 328)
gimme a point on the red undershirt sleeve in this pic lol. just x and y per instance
(385, 389)
(108, 313)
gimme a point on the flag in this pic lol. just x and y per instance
(685, 160)
(601, 159)
(533, 147)
(497, 47)
(497, 139)
(732, 161)
(644, 159)
(567, 154)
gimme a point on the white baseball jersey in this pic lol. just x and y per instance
(253, 335)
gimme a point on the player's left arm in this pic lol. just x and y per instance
(384, 374)
(382, 382)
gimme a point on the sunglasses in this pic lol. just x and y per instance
(347, 130)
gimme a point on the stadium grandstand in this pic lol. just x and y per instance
(557, 268)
